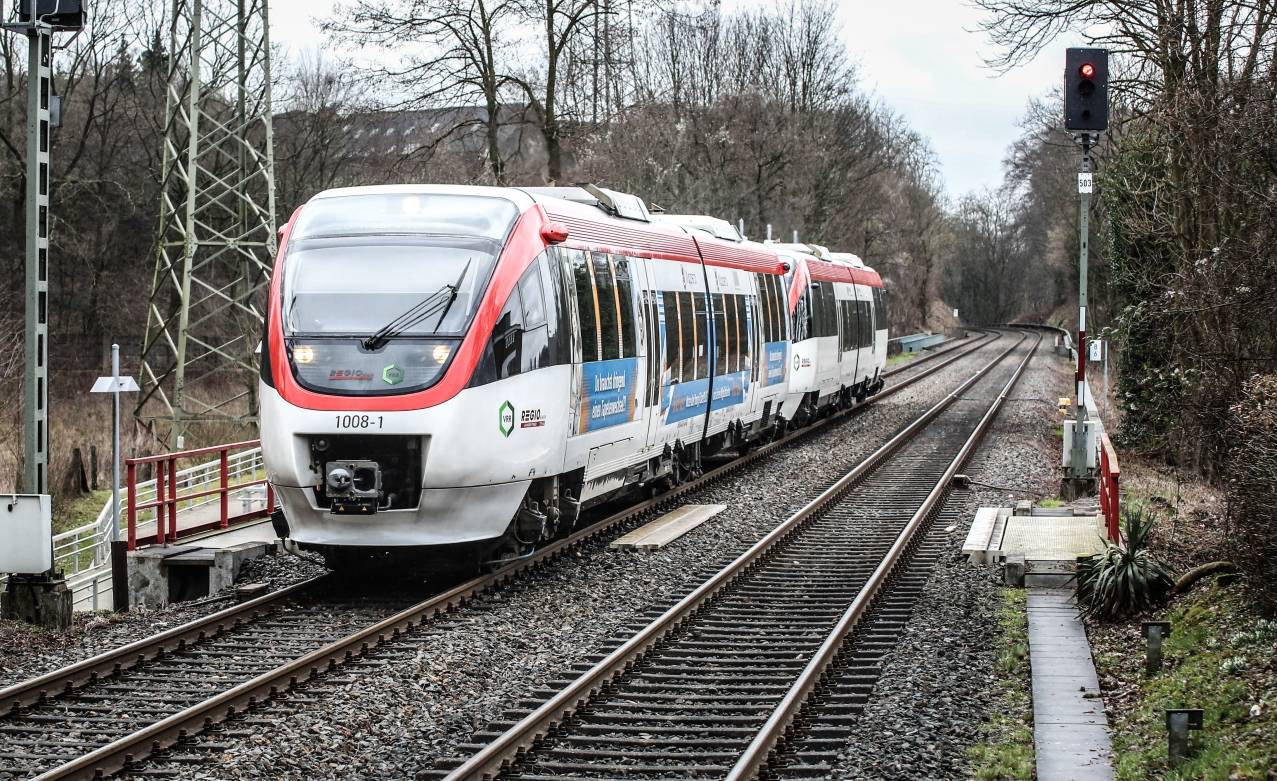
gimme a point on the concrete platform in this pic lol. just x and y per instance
(162, 574)
(668, 527)
(1048, 540)
(1070, 730)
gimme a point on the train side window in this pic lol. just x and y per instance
(780, 300)
(843, 327)
(672, 369)
(557, 306)
(701, 304)
(587, 304)
(609, 306)
(760, 283)
(721, 343)
(533, 297)
(655, 360)
(621, 269)
(738, 333)
(866, 321)
(688, 332)
(829, 306)
(831, 309)
(802, 319)
(507, 338)
(880, 309)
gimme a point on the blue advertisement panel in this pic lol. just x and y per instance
(608, 393)
(688, 399)
(775, 354)
(685, 399)
(729, 390)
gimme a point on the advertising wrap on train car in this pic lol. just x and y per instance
(687, 399)
(607, 393)
(775, 353)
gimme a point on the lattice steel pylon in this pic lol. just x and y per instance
(217, 237)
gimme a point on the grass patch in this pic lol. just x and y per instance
(1050, 501)
(1005, 750)
(1220, 657)
(899, 358)
(82, 510)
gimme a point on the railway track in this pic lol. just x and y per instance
(716, 687)
(115, 710)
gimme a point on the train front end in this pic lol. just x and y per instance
(374, 435)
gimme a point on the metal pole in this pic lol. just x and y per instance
(36, 446)
(1106, 380)
(115, 445)
(119, 548)
(1077, 460)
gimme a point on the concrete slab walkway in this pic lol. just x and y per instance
(1070, 731)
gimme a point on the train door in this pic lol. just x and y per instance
(655, 365)
(864, 330)
(848, 335)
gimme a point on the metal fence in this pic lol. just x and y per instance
(83, 554)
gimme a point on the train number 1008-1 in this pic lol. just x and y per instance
(359, 421)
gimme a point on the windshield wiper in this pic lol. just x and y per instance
(439, 299)
(455, 287)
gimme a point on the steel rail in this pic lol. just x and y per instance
(126, 751)
(526, 733)
(757, 755)
(96, 669)
(99, 668)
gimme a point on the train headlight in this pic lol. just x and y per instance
(441, 353)
(304, 354)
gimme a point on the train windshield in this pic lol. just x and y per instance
(357, 262)
(379, 289)
(355, 287)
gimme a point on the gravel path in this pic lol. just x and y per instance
(393, 720)
(30, 651)
(931, 700)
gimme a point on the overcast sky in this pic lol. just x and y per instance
(923, 58)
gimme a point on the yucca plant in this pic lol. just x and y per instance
(1119, 582)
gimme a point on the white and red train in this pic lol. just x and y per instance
(462, 370)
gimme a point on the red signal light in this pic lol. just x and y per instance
(1087, 70)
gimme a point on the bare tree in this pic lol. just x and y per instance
(464, 60)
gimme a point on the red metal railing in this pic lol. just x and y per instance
(1110, 488)
(168, 495)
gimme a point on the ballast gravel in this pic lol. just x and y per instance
(398, 713)
(932, 698)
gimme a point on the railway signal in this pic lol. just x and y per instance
(1086, 112)
(1086, 90)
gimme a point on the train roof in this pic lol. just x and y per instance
(607, 220)
(718, 228)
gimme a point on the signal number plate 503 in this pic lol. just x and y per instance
(358, 422)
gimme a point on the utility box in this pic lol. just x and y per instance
(62, 15)
(1092, 428)
(26, 527)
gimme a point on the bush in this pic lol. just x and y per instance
(1252, 475)
(1119, 582)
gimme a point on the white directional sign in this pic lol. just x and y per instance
(1084, 183)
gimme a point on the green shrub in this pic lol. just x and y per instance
(1252, 473)
(1119, 582)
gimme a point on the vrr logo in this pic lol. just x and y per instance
(505, 419)
(392, 375)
